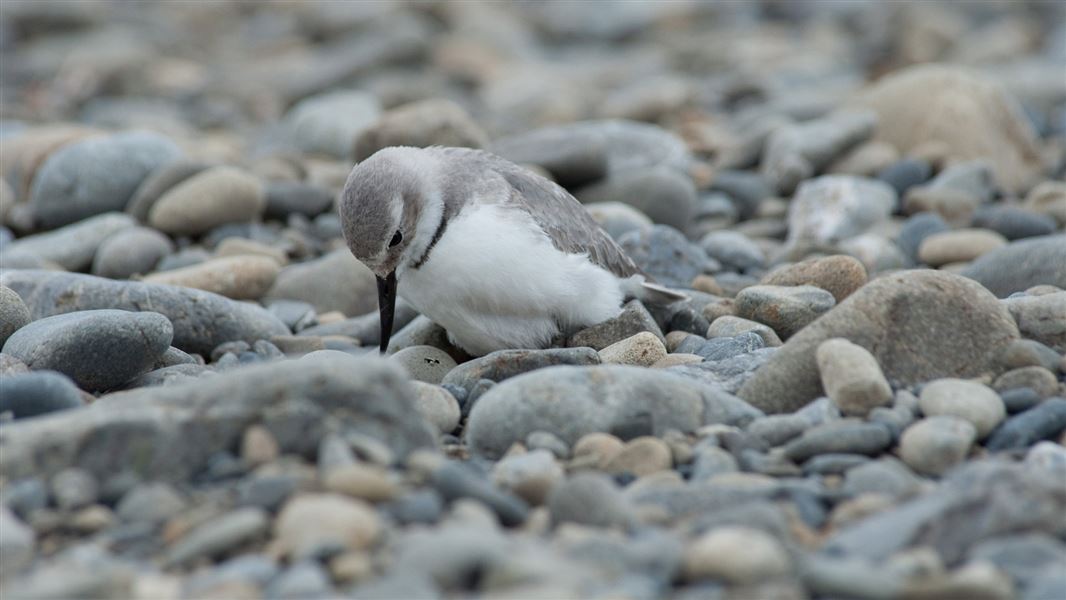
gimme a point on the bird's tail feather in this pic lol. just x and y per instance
(652, 293)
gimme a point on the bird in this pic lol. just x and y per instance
(497, 255)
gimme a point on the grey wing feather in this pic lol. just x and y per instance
(568, 225)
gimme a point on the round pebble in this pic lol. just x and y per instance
(935, 444)
(972, 401)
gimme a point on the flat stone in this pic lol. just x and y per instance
(839, 437)
(329, 123)
(572, 156)
(736, 554)
(914, 307)
(454, 481)
(959, 245)
(151, 503)
(158, 182)
(437, 406)
(170, 432)
(98, 349)
(363, 481)
(935, 444)
(839, 275)
(916, 229)
(202, 320)
(851, 377)
(1041, 318)
(641, 456)
(662, 193)
(968, 400)
(1044, 421)
(131, 251)
(504, 364)
(210, 198)
(236, 277)
(37, 393)
(1039, 379)
(643, 350)
(633, 319)
(13, 313)
(96, 175)
(431, 122)
(589, 499)
(730, 326)
(73, 246)
(1014, 222)
(786, 309)
(603, 398)
(219, 536)
(336, 281)
(1021, 265)
(314, 523)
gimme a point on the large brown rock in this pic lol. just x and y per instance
(967, 116)
(919, 325)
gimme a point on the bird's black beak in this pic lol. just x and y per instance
(386, 306)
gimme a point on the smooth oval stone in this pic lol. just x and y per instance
(968, 400)
(848, 437)
(663, 194)
(1041, 318)
(284, 198)
(786, 309)
(935, 444)
(734, 250)
(851, 377)
(130, 252)
(238, 277)
(839, 275)
(959, 245)
(572, 156)
(903, 320)
(505, 364)
(74, 246)
(13, 313)
(1014, 222)
(336, 281)
(201, 320)
(1043, 421)
(1022, 265)
(573, 401)
(210, 198)
(916, 229)
(430, 122)
(158, 182)
(329, 123)
(98, 349)
(96, 175)
(37, 393)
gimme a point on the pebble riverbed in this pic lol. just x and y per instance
(862, 398)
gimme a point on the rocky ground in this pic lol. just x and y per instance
(863, 396)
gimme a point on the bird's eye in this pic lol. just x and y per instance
(396, 239)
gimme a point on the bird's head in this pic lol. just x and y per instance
(385, 211)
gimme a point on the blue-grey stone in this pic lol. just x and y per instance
(37, 393)
(98, 349)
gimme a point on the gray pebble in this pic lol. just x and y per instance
(38, 393)
(837, 437)
(98, 349)
(13, 313)
(663, 253)
(96, 175)
(74, 488)
(129, 252)
(589, 499)
(1044, 421)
